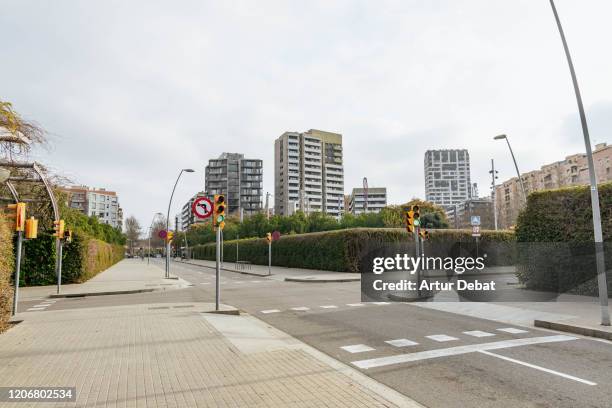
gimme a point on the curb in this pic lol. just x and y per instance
(118, 292)
(571, 328)
(397, 298)
(305, 280)
(233, 312)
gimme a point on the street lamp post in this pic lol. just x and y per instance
(599, 249)
(151, 232)
(500, 137)
(168, 221)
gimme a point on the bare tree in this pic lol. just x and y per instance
(132, 231)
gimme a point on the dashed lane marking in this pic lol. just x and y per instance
(355, 304)
(328, 307)
(270, 311)
(300, 309)
(512, 330)
(455, 351)
(401, 343)
(357, 348)
(478, 333)
(441, 337)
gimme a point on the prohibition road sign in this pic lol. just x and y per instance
(162, 234)
(202, 207)
(276, 235)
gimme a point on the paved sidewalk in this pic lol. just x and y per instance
(126, 275)
(172, 355)
(282, 273)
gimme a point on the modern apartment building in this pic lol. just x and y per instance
(96, 202)
(309, 173)
(240, 179)
(447, 176)
(186, 217)
(460, 215)
(376, 200)
(573, 171)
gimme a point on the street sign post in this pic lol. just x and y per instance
(202, 207)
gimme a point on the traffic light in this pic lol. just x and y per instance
(219, 211)
(68, 235)
(409, 219)
(169, 236)
(31, 228)
(269, 237)
(416, 215)
(423, 233)
(18, 213)
(58, 227)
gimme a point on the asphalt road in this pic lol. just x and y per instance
(439, 359)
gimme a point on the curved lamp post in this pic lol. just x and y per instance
(500, 137)
(168, 221)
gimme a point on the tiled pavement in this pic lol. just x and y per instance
(148, 356)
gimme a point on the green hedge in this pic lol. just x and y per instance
(343, 250)
(555, 240)
(82, 259)
(6, 270)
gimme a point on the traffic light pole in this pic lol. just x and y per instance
(59, 264)
(17, 271)
(218, 270)
(418, 254)
(269, 257)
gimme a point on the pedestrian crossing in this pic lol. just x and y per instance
(42, 306)
(306, 308)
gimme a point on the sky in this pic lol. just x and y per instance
(131, 92)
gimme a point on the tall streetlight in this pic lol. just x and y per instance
(151, 232)
(168, 221)
(599, 248)
(500, 137)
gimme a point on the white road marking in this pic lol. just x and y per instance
(442, 337)
(300, 309)
(478, 333)
(455, 351)
(401, 342)
(329, 307)
(270, 311)
(380, 303)
(355, 304)
(35, 309)
(357, 348)
(512, 330)
(546, 370)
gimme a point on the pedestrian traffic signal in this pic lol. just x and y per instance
(31, 228)
(68, 235)
(269, 237)
(58, 227)
(18, 212)
(219, 211)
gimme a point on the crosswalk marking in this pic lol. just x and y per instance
(478, 333)
(357, 348)
(355, 304)
(441, 337)
(380, 303)
(329, 307)
(270, 311)
(512, 330)
(458, 350)
(300, 309)
(402, 342)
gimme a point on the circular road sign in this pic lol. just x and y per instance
(276, 235)
(162, 234)
(202, 207)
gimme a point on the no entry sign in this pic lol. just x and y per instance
(202, 207)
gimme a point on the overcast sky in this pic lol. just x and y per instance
(132, 91)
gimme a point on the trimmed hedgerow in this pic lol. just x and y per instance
(7, 267)
(82, 259)
(556, 250)
(342, 250)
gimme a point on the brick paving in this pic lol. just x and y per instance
(163, 356)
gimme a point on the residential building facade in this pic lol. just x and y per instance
(447, 177)
(309, 173)
(376, 200)
(460, 215)
(573, 171)
(97, 202)
(240, 179)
